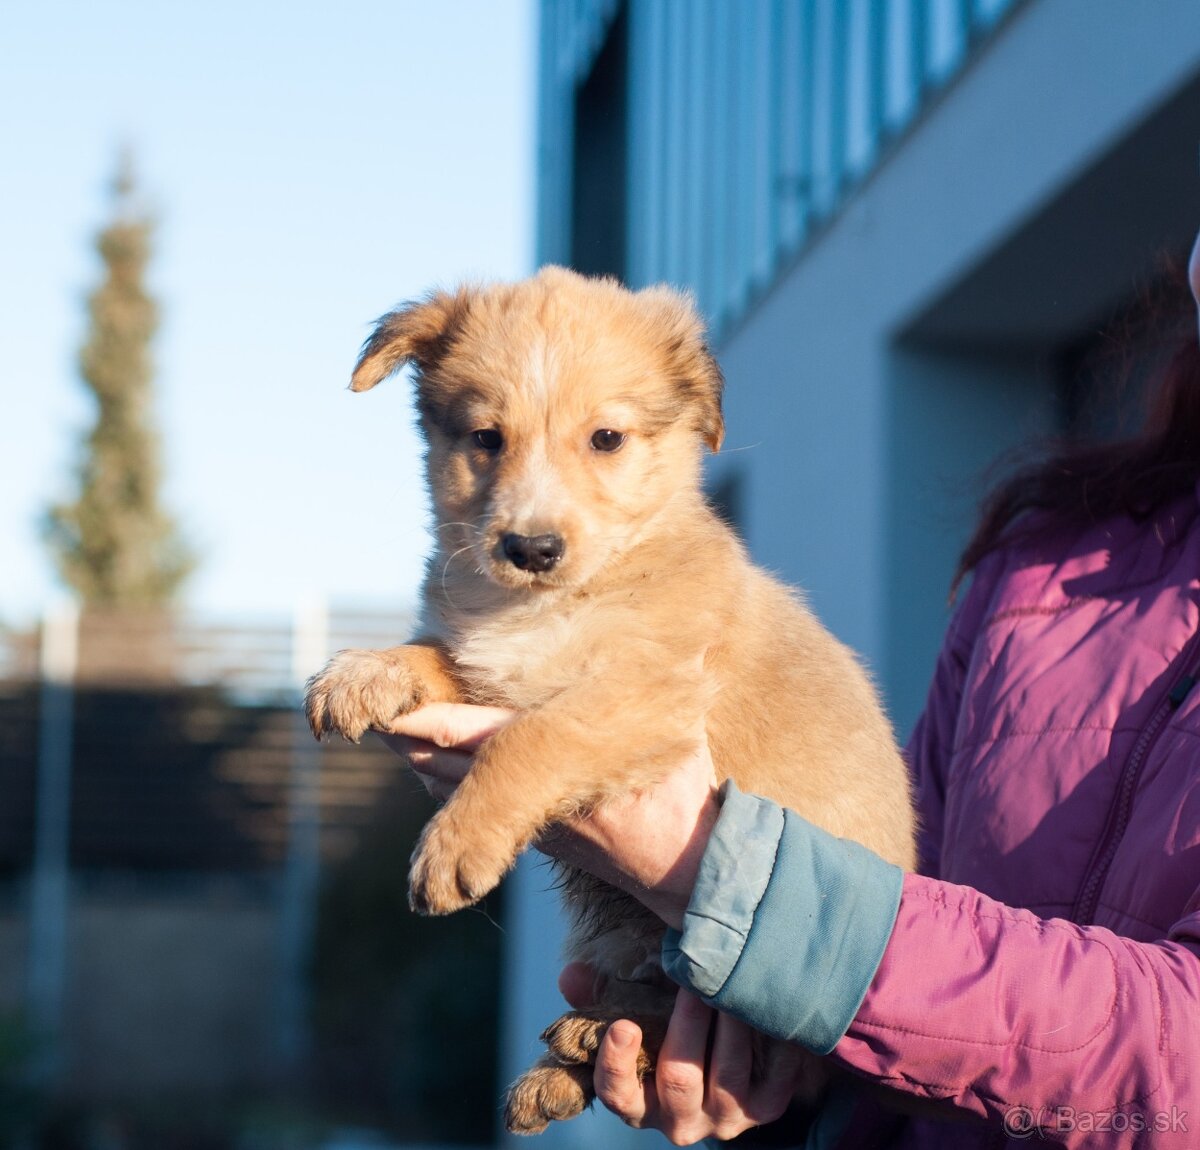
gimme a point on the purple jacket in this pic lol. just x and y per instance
(1044, 971)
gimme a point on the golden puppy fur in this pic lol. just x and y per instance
(570, 415)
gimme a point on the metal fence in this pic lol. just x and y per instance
(228, 780)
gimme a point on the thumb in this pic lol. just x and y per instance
(452, 725)
(577, 984)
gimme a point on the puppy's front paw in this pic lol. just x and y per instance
(451, 869)
(362, 690)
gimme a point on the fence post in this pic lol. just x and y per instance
(49, 894)
(310, 645)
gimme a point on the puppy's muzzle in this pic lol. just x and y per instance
(533, 552)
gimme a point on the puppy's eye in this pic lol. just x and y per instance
(607, 440)
(488, 438)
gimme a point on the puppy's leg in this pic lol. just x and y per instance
(365, 690)
(590, 743)
(559, 1085)
(549, 1091)
(575, 1037)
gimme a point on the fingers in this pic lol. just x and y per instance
(771, 1096)
(438, 740)
(737, 1100)
(730, 1066)
(672, 1098)
(679, 1086)
(703, 1084)
(577, 984)
(440, 770)
(616, 1078)
(684, 1048)
(460, 726)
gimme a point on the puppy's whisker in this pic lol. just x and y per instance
(479, 908)
(469, 526)
(445, 570)
(454, 555)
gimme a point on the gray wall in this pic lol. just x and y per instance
(862, 390)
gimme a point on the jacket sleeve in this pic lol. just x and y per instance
(995, 1011)
(1074, 1031)
(941, 993)
(781, 907)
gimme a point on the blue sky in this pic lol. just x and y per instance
(311, 165)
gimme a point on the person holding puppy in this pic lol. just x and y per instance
(1040, 975)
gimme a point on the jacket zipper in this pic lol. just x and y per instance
(1118, 820)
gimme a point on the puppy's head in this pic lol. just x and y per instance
(563, 415)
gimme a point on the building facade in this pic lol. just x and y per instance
(903, 219)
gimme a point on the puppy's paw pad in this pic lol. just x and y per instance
(547, 1094)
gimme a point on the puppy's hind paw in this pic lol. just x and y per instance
(575, 1038)
(547, 1093)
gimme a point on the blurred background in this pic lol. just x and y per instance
(922, 232)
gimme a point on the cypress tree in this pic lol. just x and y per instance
(114, 544)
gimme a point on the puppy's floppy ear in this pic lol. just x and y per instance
(420, 333)
(691, 367)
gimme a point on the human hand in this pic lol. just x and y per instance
(439, 740)
(702, 1085)
(648, 844)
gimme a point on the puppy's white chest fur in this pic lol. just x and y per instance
(525, 655)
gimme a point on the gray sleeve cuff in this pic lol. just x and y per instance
(733, 877)
(792, 954)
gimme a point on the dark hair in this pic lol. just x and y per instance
(1086, 481)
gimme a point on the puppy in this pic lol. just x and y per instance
(581, 579)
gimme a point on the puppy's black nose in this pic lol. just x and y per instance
(532, 552)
